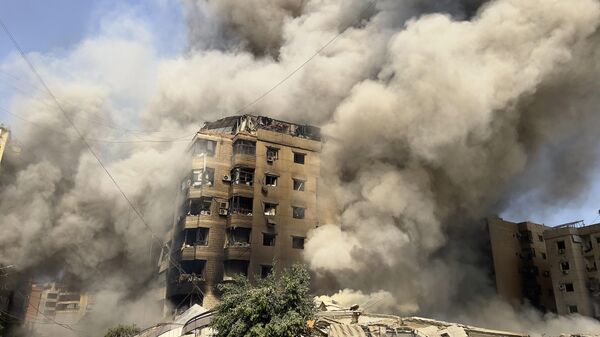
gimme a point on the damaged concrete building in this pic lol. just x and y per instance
(553, 268)
(247, 205)
(54, 303)
(4, 135)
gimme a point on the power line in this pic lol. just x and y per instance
(288, 76)
(87, 144)
(181, 139)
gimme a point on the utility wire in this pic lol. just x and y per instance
(288, 76)
(88, 146)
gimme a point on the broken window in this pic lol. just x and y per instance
(242, 176)
(200, 206)
(241, 205)
(299, 157)
(69, 297)
(52, 295)
(272, 154)
(564, 266)
(569, 287)
(196, 237)
(270, 180)
(238, 237)
(232, 268)
(572, 309)
(544, 256)
(298, 184)
(270, 209)
(560, 245)
(203, 177)
(204, 146)
(242, 146)
(265, 270)
(298, 212)
(297, 242)
(269, 239)
(192, 271)
(541, 238)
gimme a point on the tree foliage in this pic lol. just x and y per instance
(122, 331)
(277, 306)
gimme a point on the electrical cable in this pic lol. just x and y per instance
(88, 146)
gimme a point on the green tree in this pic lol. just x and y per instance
(122, 331)
(277, 306)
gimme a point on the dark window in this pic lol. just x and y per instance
(242, 176)
(298, 212)
(238, 237)
(244, 147)
(270, 209)
(569, 287)
(196, 236)
(299, 184)
(297, 242)
(206, 178)
(268, 239)
(544, 256)
(598, 239)
(200, 206)
(52, 295)
(541, 238)
(241, 205)
(564, 266)
(573, 309)
(560, 245)
(265, 270)
(235, 267)
(204, 146)
(270, 180)
(193, 267)
(272, 153)
(299, 158)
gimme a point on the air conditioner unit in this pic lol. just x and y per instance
(226, 178)
(223, 211)
(270, 159)
(224, 204)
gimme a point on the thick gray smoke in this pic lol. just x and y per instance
(435, 114)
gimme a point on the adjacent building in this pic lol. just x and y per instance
(250, 199)
(553, 268)
(573, 250)
(521, 262)
(4, 134)
(53, 304)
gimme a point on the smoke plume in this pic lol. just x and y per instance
(435, 114)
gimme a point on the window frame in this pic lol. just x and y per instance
(297, 156)
(295, 239)
(300, 215)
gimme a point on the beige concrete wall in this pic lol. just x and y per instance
(282, 254)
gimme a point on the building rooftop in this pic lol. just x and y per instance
(250, 123)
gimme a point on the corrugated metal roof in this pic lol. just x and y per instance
(346, 330)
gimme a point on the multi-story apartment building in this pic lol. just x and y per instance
(521, 263)
(573, 250)
(54, 303)
(247, 205)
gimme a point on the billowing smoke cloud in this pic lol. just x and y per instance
(434, 113)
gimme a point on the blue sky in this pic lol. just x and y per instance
(57, 27)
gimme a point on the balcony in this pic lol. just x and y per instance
(240, 220)
(237, 251)
(242, 159)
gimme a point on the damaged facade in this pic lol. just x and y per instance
(553, 268)
(247, 205)
(52, 303)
